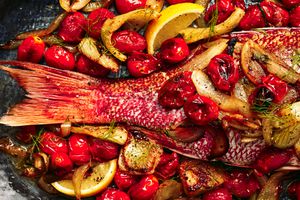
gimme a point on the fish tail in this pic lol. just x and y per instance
(52, 95)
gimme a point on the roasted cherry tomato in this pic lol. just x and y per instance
(239, 3)
(50, 143)
(224, 9)
(61, 163)
(295, 17)
(220, 142)
(89, 67)
(201, 110)
(174, 50)
(167, 166)
(103, 150)
(271, 159)
(294, 190)
(113, 194)
(58, 57)
(278, 87)
(124, 180)
(72, 28)
(31, 49)
(26, 134)
(176, 90)
(141, 64)
(79, 149)
(171, 2)
(223, 72)
(144, 189)
(218, 194)
(96, 20)
(290, 3)
(129, 41)
(125, 6)
(242, 183)
(274, 14)
(252, 19)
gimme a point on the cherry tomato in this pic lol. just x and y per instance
(241, 183)
(113, 194)
(290, 3)
(252, 19)
(79, 149)
(295, 17)
(176, 90)
(96, 20)
(218, 194)
(239, 4)
(223, 72)
(89, 67)
(201, 110)
(103, 150)
(26, 134)
(141, 64)
(167, 166)
(129, 41)
(171, 2)
(61, 164)
(294, 190)
(31, 49)
(124, 6)
(278, 87)
(271, 159)
(144, 189)
(58, 57)
(123, 180)
(274, 14)
(174, 50)
(224, 7)
(220, 142)
(72, 28)
(50, 143)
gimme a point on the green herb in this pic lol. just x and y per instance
(296, 58)
(108, 133)
(36, 140)
(213, 21)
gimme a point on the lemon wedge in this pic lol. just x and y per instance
(172, 20)
(100, 178)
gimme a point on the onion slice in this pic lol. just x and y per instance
(78, 177)
(191, 35)
(78, 4)
(91, 6)
(225, 102)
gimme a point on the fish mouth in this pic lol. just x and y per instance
(10, 92)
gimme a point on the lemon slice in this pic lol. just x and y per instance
(172, 20)
(100, 178)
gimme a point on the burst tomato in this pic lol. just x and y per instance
(79, 149)
(89, 67)
(174, 50)
(124, 180)
(61, 163)
(144, 189)
(274, 14)
(129, 41)
(224, 9)
(31, 49)
(50, 143)
(72, 28)
(58, 57)
(167, 166)
(103, 150)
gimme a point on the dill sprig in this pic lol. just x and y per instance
(109, 132)
(213, 21)
(36, 140)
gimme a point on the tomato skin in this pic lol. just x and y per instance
(168, 166)
(61, 164)
(274, 14)
(278, 87)
(79, 149)
(124, 180)
(225, 8)
(201, 110)
(144, 189)
(141, 64)
(176, 91)
(242, 184)
(290, 3)
(96, 20)
(125, 6)
(294, 190)
(174, 50)
(26, 134)
(113, 194)
(50, 143)
(89, 67)
(295, 17)
(31, 49)
(58, 57)
(253, 18)
(128, 41)
(218, 194)
(72, 28)
(172, 2)
(103, 150)
(223, 72)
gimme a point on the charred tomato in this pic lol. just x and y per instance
(31, 49)
(103, 150)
